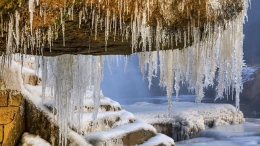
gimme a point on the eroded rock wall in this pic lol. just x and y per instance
(12, 121)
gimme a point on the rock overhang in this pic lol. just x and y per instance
(100, 27)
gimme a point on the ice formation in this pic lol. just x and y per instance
(217, 47)
(187, 118)
(68, 77)
(221, 48)
(147, 24)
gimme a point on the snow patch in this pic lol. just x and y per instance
(105, 121)
(159, 139)
(187, 119)
(33, 140)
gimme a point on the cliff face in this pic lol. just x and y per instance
(251, 83)
(108, 27)
(250, 95)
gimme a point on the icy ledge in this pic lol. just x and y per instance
(188, 119)
(128, 134)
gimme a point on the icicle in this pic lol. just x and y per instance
(17, 29)
(80, 17)
(44, 14)
(49, 38)
(220, 47)
(9, 45)
(98, 70)
(126, 63)
(31, 10)
(2, 24)
(69, 77)
(62, 21)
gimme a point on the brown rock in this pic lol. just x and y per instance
(3, 98)
(165, 128)
(14, 130)
(39, 123)
(1, 133)
(7, 114)
(31, 79)
(15, 99)
(137, 137)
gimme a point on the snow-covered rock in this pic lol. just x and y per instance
(106, 104)
(130, 134)
(33, 140)
(187, 119)
(105, 121)
(159, 140)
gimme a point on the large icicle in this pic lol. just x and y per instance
(69, 77)
(221, 47)
(31, 11)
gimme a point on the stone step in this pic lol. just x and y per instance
(28, 73)
(129, 134)
(159, 140)
(106, 104)
(105, 121)
(33, 140)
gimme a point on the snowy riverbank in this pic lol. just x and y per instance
(245, 134)
(187, 119)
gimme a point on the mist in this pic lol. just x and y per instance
(123, 82)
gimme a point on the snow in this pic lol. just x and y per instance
(89, 105)
(33, 140)
(36, 90)
(159, 139)
(76, 139)
(105, 121)
(187, 118)
(156, 113)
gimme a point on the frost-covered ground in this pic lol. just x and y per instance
(156, 113)
(246, 134)
(187, 118)
(225, 131)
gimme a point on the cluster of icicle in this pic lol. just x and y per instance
(221, 50)
(20, 38)
(68, 77)
(121, 19)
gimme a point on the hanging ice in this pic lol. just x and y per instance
(69, 77)
(195, 66)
